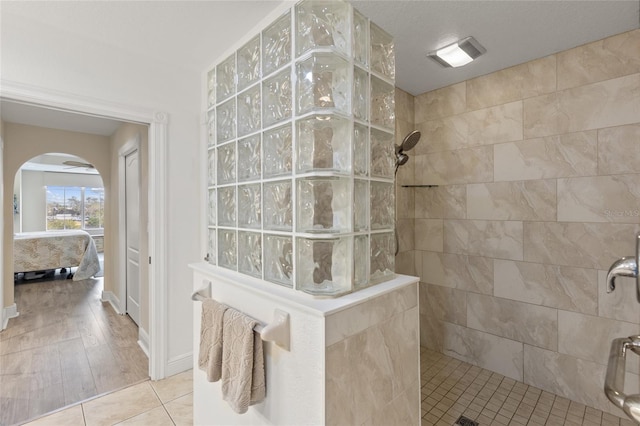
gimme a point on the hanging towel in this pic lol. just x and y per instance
(243, 380)
(210, 356)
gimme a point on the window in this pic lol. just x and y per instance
(75, 207)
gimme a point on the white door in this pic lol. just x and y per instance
(132, 208)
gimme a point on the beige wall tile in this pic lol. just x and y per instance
(405, 263)
(401, 411)
(405, 231)
(519, 82)
(583, 245)
(447, 304)
(601, 60)
(500, 239)
(386, 354)
(572, 154)
(513, 320)
(405, 108)
(560, 287)
(485, 350)
(405, 203)
(621, 304)
(349, 322)
(605, 104)
(443, 134)
(450, 100)
(429, 234)
(431, 332)
(600, 199)
(443, 202)
(502, 123)
(618, 150)
(469, 273)
(582, 335)
(452, 167)
(523, 200)
(576, 379)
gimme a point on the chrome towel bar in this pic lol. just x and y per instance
(277, 332)
(614, 382)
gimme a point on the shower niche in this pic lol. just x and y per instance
(301, 152)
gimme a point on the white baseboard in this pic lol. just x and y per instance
(179, 364)
(109, 296)
(143, 341)
(8, 313)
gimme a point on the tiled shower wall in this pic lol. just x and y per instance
(538, 168)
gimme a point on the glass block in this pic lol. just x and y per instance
(322, 24)
(324, 205)
(227, 163)
(211, 167)
(382, 205)
(227, 256)
(323, 83)
(360, 94)
(278, 259)
(323, 143)
(249, 164)
(249, 112)
(227, 206)
(226, 118)
(324, 266)
(278, 211)
(249, 206)
(360, 203)
(249, 63)
(382, 154)
(360, 150)
(382, 257)
(360, 38)
(211, 246)
(211, 128)
(278, 99)
(211, 88)
(226, 78)
(383, 57)
(361, 261)
(276, 44)
(277, 151)
(383, 98)
(250, 253)
(212, 209)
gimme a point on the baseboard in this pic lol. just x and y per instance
(8, 313)
(179, 364)
(143, 341)
(109, 296)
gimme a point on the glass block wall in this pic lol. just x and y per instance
(301, 152)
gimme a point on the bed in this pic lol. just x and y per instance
(39, 251)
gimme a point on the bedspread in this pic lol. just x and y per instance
(37, 251)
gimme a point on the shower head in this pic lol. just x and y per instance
(410, 141)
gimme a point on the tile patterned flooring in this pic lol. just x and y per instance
(451, 388)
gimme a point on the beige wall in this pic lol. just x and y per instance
(24, 142)
(124, 134)
(538, 168)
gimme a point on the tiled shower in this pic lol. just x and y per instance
(537, 170)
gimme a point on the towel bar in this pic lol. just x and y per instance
(276, 332)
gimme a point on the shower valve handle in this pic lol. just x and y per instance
(625, 267)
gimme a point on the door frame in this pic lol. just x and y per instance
(157, 201)
(128, 148)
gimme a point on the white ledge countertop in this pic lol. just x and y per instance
(319, 306)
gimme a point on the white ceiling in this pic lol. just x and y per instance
(513, 32)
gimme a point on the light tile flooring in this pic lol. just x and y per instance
(64, 347)
(451, 388)
(165, 402)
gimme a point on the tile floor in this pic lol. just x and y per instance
(165, 402)
(451, 388)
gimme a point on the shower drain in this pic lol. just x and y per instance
(465, 421)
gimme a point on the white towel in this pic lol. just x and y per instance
(243, 380)
(210, 356)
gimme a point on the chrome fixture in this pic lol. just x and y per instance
(614, 381)
(459, 53)
(408, 143)
(625, 267)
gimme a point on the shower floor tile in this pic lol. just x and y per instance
(451, 388)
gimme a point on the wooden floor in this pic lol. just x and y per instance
(64, 347)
